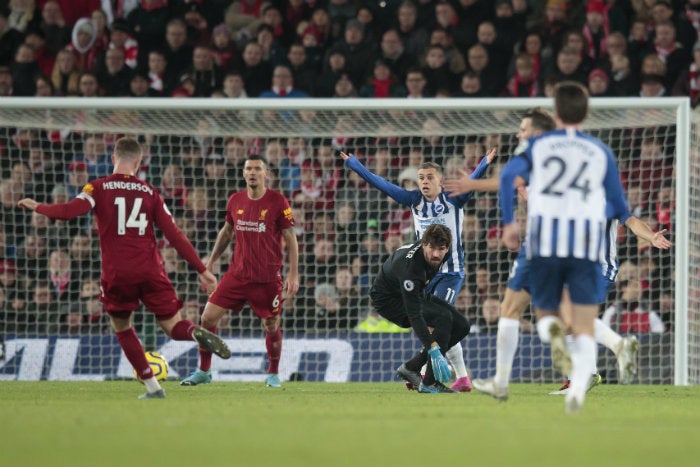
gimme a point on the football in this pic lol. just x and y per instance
(158, 364)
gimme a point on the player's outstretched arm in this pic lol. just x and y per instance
(291, 285)
(70, 210)
(28, 203)
(643, 231)
(465, 184)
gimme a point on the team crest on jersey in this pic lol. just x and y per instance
(439, 208)
(89, 189)
(408, 285)
(263, 213)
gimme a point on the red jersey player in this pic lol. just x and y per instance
(258, 219)
(127, 209)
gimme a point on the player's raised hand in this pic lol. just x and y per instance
(28, 203)
(345, 156)
(659, 241)
(511, 238)
(459, 186)
(491, 155)
(208, 280)
(291, 285)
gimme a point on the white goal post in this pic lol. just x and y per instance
(658, 146)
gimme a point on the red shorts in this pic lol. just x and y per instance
(157, 294)
(265, 298)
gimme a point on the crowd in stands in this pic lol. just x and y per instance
(345, 48)
(49, 271)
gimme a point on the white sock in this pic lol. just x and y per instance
(152, 384)
(606, 336)
(569, 338)
(506, 346)
(543, 325)
(456, 357)
(583, 357)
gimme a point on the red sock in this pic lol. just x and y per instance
(273, 342)
(205, 355)
(182, 331)
(131, 345)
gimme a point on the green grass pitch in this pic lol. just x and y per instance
(355, 425)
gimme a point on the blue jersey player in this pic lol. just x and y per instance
(430, 204)
(574, 187)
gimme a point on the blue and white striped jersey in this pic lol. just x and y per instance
(574, 186)
(445, 210)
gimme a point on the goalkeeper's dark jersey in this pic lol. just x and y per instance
(398, 292)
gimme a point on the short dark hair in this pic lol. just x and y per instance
(256, 157)
(571, 102)
(437, 235)
(540, 118)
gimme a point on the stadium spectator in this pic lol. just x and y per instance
(524, 82)
(487, 320)
(256, 73)
(333, 69)
(32, 257)
(383, 83)
(415, 83)
(88, 86)
(10, 38)
(54, 27)
(344, 87)
(687, 83)
(24, 71)
(115, 75)
(65, 74)
(42, 309)
(224, 52)
(598, 83)
(303, 74)
(204, 72)
(283, 84)
(64, 280)
(454, 57)
(84, 255)
(86, 316)
(470, 86)
(359, 54)
(413, 35)
(82, 44)
(437, 72)
(630, 313)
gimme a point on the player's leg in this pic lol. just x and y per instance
(210, 342)
(566, 314)
(160, 298)
(515, 302)
(624, 348)
(547, 279)
(135, 353)
(119, 302)
(438, 315)
(583, 278)
(266, 302)
(447, 287)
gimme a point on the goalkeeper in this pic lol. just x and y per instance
(399, 295)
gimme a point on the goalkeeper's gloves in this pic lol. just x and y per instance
(441, 369)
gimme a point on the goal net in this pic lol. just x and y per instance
(52, 325)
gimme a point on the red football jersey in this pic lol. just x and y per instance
(257, 229)
(126, 210)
